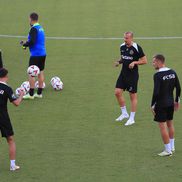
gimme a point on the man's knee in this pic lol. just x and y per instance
(41, 76)
(133, 96)
(162, 126)
(10, 139)
(169, 124)
(118, 92)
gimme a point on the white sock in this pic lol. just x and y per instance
(172, 143)
(132, 116)
(12, 162)
(168, 147)
(123, 110)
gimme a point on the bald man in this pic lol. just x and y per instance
(132, 55)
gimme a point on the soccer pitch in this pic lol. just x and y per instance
(72, 136)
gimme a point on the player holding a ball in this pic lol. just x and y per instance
(36, 44)
(6, 129)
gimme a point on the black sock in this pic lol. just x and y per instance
(31, 92)
(39, 92)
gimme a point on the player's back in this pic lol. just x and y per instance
(166, 79)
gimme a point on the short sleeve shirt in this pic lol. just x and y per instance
(6, 93)
(128, 55)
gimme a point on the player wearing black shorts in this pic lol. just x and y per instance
(132, 55)
(163, 103)
(5, 124)
(39, 61)
(36, 44)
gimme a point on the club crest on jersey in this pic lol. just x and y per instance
(131, 52)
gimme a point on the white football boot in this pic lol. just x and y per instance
(38, 96)
(122, 116)
(14, 168)
(129, 122)
(165, 153)
(28, 97)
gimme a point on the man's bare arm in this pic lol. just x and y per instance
(141, 61)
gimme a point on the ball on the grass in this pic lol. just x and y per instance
(58, 85)
(54, 79)
(37, 84)
(33, 70)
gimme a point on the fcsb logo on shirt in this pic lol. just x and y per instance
(168, 77)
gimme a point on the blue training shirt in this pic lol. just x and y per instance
(36, 38)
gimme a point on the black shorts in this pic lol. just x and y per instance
(129, 84)
(163, 114)
(39, 61)
(5, 125)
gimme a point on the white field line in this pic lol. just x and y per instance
(93, 38)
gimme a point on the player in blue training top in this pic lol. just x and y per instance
(36, 44)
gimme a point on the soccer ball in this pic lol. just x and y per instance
(58, 85)
(26, 86)
(33, 70)
(55, 79)
(37, 84)
(18, 90)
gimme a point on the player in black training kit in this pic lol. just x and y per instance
(5, 124)
(132, 55)
(163, 103)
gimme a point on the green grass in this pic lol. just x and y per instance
(71, 135)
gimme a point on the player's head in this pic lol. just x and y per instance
(158, 61)
(33, 18)
(3, 74)
(128, 38)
